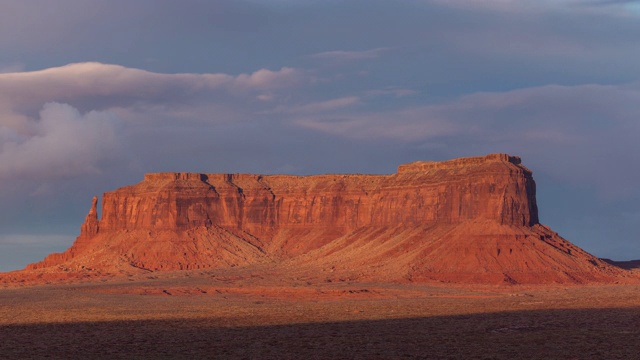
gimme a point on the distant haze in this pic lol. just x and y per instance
(93, 94)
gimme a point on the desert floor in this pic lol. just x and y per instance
(208, 315)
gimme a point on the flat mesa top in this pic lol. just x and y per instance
(460, 162)
(417, 166)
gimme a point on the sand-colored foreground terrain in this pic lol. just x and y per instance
(218, 316)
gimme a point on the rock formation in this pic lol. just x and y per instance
(463, 220)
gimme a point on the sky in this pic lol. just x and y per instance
(95, 93)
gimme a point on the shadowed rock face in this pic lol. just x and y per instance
(472, 212)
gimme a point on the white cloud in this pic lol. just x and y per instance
(63, 143)
(138, 95)
(118, 84)
(267, 79)
(69, 120)
(265, 97)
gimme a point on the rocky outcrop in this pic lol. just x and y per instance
(495, 187)
(90, 226)
(430, 221)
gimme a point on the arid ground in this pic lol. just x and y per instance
(221, 316)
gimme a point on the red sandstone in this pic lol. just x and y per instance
(469, 220)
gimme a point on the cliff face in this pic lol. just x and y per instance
(495, 187)
(188, 220)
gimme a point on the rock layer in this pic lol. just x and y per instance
(463, 220)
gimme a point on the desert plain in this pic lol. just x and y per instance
(243, 315)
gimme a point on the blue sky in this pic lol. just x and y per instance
(93, 94)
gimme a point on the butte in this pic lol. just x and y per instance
(467, 220)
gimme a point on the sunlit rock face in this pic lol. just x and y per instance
(495, 187)
(464, 220)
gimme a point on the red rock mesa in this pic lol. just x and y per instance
(470, 220)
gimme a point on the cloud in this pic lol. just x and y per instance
(114, 84)
(267, 79)
(94, 109)
(405, 125)
(133, 95)
(565, 109)
(320, 106)
(62, 143)
(79, 119)
(352, 55)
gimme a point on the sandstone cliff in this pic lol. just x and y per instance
(469, 220)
